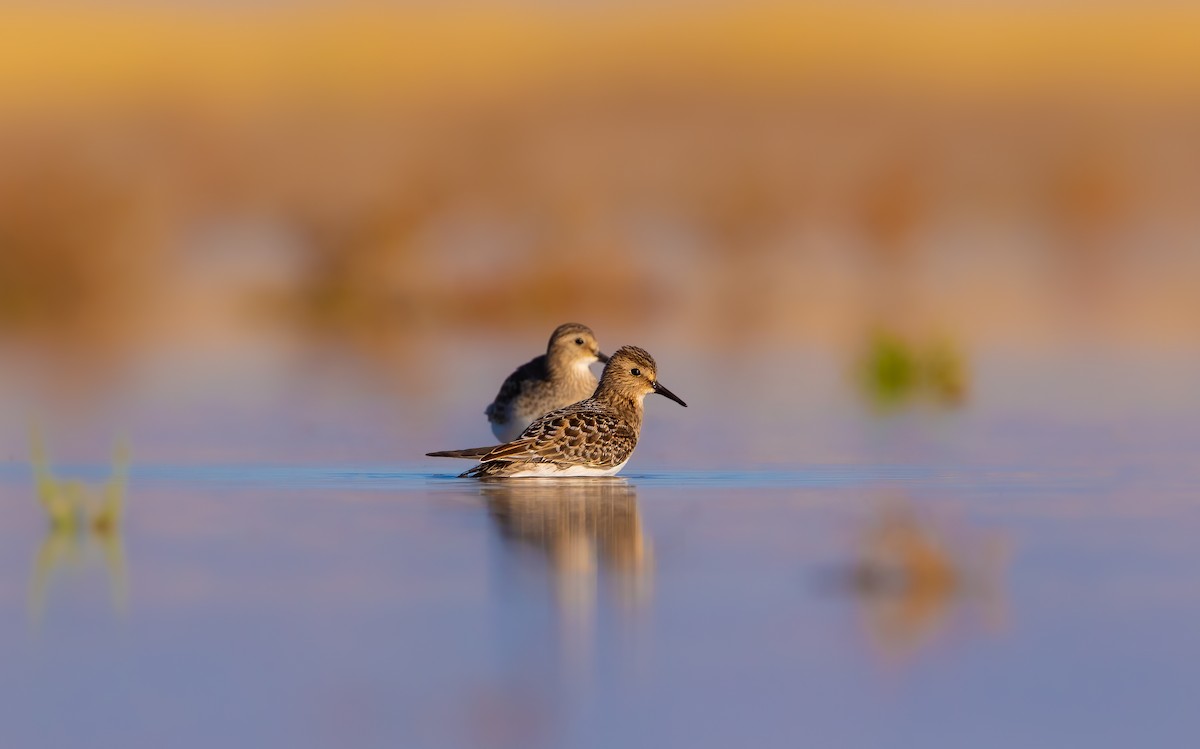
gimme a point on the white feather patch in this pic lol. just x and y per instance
(549, 469)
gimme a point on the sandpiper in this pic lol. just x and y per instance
(557, 378)
(593, 437)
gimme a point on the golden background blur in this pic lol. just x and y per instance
(727, 172)
(927, 275)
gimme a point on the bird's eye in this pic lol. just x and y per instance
(578, 341)
(635, 372)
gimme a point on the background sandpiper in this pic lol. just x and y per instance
(557, 378)
(593, 437)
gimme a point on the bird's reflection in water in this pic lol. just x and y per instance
(914, 580)
(84, 523)
(587, 530)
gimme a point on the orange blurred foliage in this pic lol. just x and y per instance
(742, 172)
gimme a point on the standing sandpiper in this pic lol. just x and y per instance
(593, 437)
(555, 379)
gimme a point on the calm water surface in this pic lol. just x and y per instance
(779, 567)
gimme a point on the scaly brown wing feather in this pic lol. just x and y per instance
(580, 434)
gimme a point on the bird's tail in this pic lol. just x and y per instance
(492, 468)
(470, 452)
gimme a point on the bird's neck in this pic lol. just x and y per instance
(630, 408)
(562, 368)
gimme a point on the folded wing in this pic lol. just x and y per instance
(574, 435)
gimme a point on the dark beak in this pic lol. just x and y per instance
(658, 388)
(602, 357)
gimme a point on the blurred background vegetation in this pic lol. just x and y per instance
(853, 175)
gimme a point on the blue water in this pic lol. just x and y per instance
(400, 477)
(1011, 574)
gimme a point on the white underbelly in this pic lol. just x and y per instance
(549, 470)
